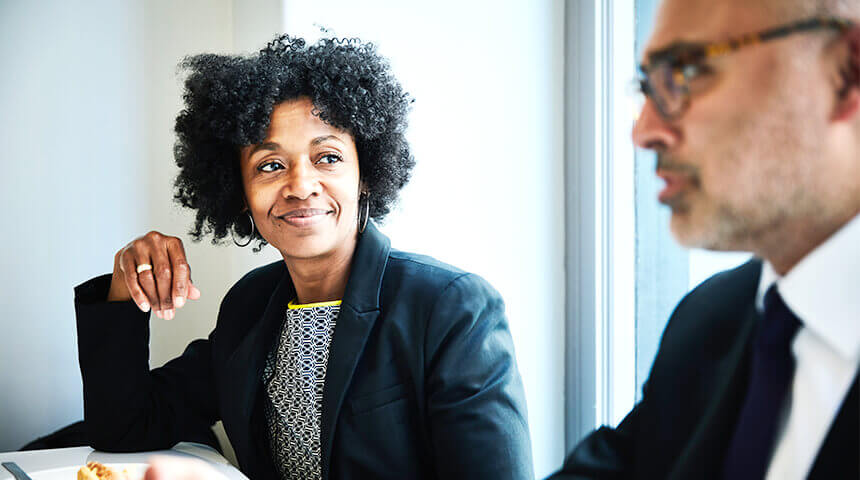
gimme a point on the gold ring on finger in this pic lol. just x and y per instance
(143, 267)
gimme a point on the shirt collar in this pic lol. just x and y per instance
(822, 289)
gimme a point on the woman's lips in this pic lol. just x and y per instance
(305, 217)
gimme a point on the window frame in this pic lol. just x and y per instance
(600, 377)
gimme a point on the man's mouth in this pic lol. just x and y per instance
(680, 177)
(676, 182)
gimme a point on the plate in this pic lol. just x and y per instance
(135, 471)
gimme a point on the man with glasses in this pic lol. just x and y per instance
(753, 109)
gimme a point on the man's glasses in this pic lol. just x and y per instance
(667, 76)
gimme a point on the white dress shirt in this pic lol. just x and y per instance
(823, 291)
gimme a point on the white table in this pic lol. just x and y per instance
(40, 463)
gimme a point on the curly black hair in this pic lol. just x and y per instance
(229, 101)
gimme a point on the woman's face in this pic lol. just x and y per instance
(302, 183)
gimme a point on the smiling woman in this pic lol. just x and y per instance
(317, 164)
(229, 106)
(348, 359)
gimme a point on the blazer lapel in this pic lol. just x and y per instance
(358, 313)
(243, 374)
(703, 456)
(838, 455)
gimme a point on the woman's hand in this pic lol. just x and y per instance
(165, 286)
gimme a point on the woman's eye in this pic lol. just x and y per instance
(329, 159)
(270, 167)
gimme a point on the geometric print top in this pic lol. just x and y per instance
(294, 377)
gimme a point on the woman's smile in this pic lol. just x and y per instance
(305, 217)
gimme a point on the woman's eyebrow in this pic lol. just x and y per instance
(324, 138)
(265, 146)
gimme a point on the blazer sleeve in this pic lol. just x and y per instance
(606, 453)
(127, 407)
(475, 400)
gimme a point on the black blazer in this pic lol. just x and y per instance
(690, 404)
(421, 381)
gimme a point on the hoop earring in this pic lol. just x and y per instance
(250, 237)
(362, 224)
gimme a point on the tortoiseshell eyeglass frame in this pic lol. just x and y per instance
(681, 62)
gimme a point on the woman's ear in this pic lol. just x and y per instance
(848, 96)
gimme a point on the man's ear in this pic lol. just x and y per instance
(848, 94)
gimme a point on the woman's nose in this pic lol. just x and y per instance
(302, 181)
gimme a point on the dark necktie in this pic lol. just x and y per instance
(772, 370)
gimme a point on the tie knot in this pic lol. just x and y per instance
(780, 324)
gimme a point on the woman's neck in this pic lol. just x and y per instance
(321, 279)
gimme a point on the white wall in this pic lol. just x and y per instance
(73, 170)
(88, 96)
(487, 192)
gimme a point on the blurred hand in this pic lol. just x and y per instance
(172, 468)
(164, 287)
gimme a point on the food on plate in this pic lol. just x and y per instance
(98, 471)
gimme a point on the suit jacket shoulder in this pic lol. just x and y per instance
(708, 317)
(698, 353)
(422, 270)
(428, 286)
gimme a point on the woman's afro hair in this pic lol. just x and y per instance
(228, 104)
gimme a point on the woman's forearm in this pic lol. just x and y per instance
(127, 407)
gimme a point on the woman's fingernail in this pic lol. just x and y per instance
(179, 301)
(168, 314)
(144, 306)
(159, 314)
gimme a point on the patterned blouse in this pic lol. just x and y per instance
(294, 377)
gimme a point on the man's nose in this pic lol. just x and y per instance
(651, 131)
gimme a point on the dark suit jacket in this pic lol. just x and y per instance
(421, 381)
(690, 404)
